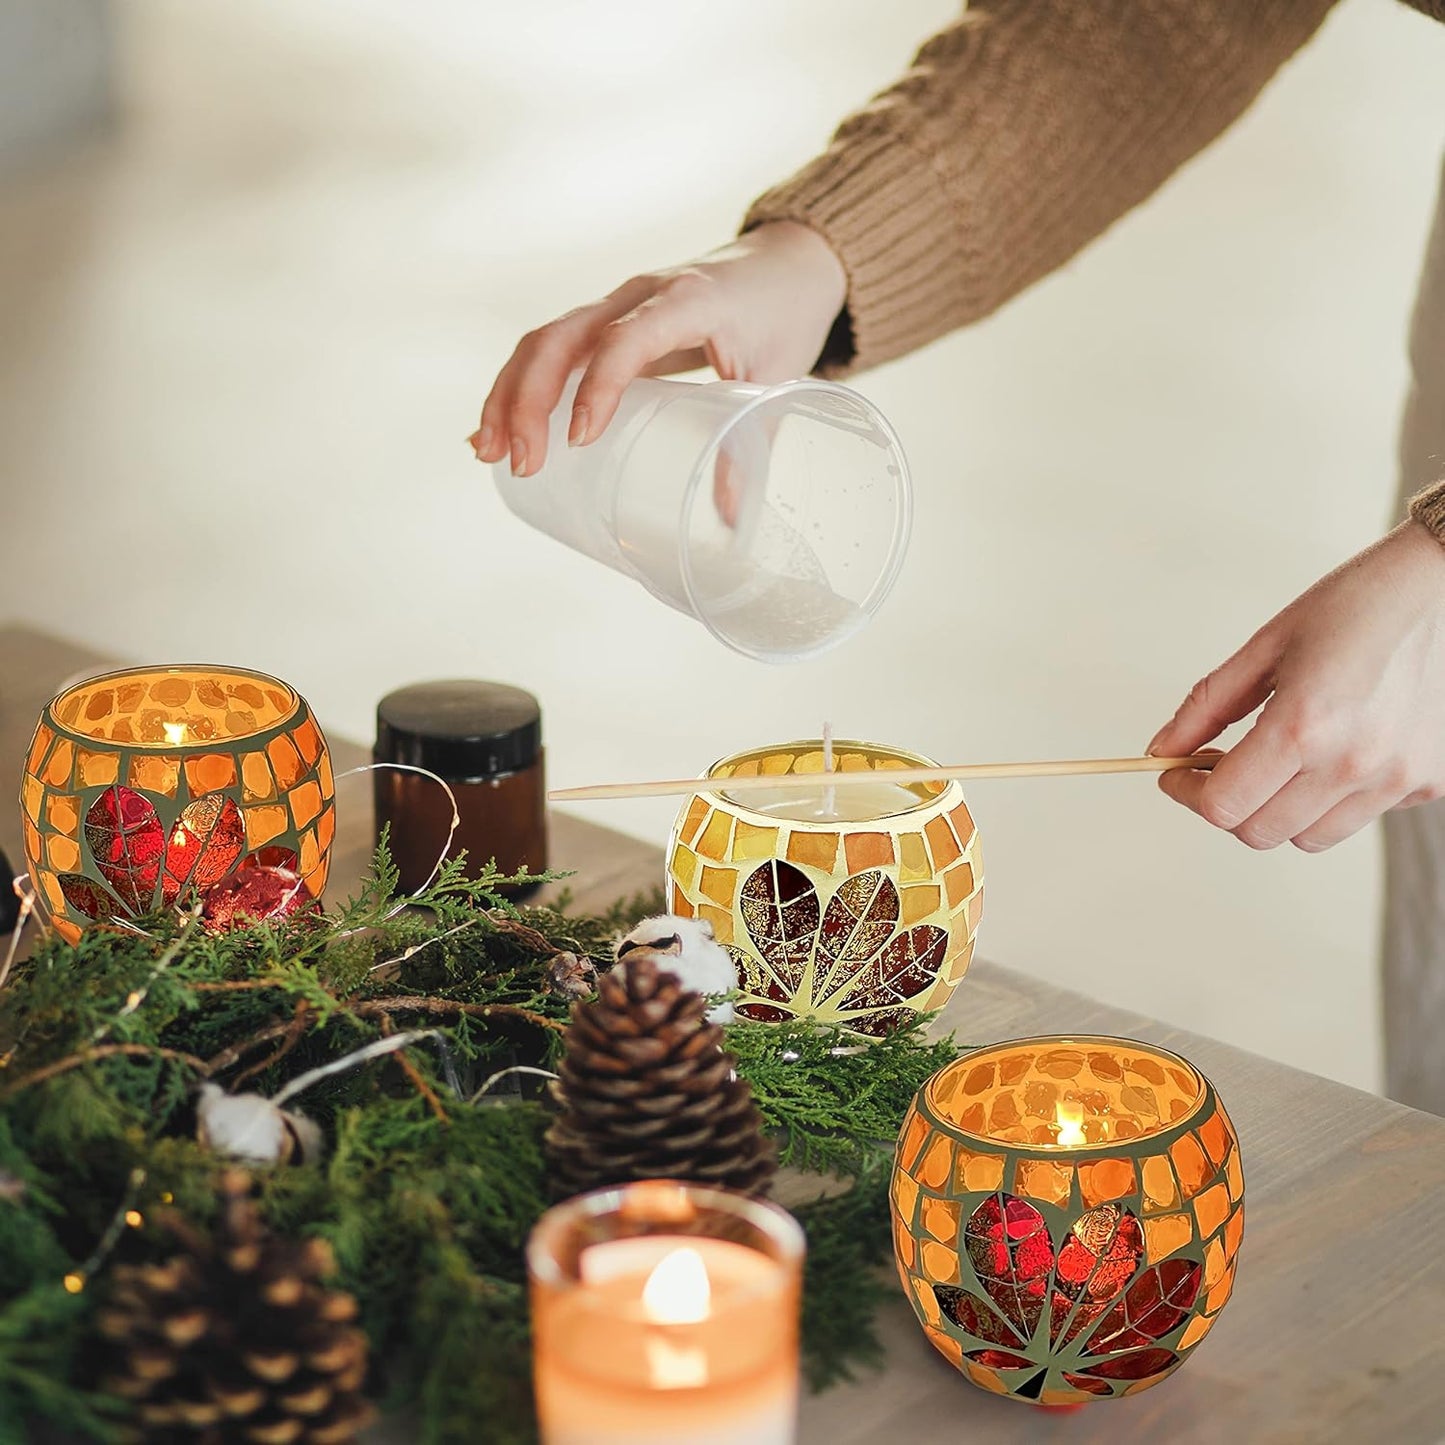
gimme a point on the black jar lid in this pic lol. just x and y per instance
(461, 730)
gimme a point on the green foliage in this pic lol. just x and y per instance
(426, 1198)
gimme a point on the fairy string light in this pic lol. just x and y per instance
(136, 997)
(26, 895)
(126, 1216)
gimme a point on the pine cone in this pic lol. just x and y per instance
(648, 1092)
(236, 1340)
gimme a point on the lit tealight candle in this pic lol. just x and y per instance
(661, 1338)
(1070, 1116)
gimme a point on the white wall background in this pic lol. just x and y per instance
(241, 343)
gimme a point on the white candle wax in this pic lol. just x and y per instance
(855, 803)
(620, 1363)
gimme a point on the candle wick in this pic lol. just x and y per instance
(830, 793)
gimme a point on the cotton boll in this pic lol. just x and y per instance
(250, 1127)
(686, 948)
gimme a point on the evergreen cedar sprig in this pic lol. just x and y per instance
(426, 1201)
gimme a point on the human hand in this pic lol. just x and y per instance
(757, 309)
(1352, 677)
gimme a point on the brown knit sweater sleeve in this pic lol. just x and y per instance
(1018, 135)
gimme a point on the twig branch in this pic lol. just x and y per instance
(415, 1076)
(376, 1007)
(103, 1051)
(234, 1053)
(292, 1035)
(524, 934)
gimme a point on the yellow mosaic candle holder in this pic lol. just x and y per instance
(146, 788)
(1067, 1214)
(855, 906)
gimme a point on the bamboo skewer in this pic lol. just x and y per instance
(1057, 768)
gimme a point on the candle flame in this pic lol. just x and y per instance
(678, 1291)
(1070, 1114)
(175, 732)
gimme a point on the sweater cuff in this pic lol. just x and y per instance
(1428, 508)
(884, 221)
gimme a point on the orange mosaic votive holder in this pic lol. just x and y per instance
(1067, 1214)
(853, 906)
(146, 788)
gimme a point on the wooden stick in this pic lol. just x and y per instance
(679, 787)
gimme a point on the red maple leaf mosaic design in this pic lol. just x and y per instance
(1087, 1287)
(146, 869)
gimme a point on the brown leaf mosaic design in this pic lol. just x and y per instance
(848, 962)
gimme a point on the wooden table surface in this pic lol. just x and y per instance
(1336, 1331)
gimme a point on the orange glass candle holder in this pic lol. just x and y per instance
(665, 1312)
(147, 788)
(1067, 1214)
(855, 906)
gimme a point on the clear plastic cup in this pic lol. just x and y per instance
(778, 516)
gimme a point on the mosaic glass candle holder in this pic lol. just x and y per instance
(1067, 1214)
(852, 906)
(147, 788)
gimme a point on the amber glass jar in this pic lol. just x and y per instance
(485, 739)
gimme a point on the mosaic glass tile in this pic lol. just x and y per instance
(285, 762)
(1233, 1233)
(905, 1195)
(697, 810)
(682, 866)
(1190, 1165)
(978, 1172)
(1215, 1139)
(39, 745)
(57, 766)
(263, 823)
(752, 843)
(308, 741)
(1211, 1208)
(813, 850)
(150, 773)
(937, 1164)
(927, 1299)
(941, 842)
(1166, 1233)
(1106, 1179)
(210, 772)
(1160, 1191)
(1234, 1174)
(919, 902)
(1214, 1263)
(1044, 1179)
(867, 850)
(940, 1218)
(913, 862)
(62, 812)
(96, 770)
(309, 854)
(305, 802)
(1198, 1327)
(1220, 1293)
(716, 838)
(720, 885)
(721, 920)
